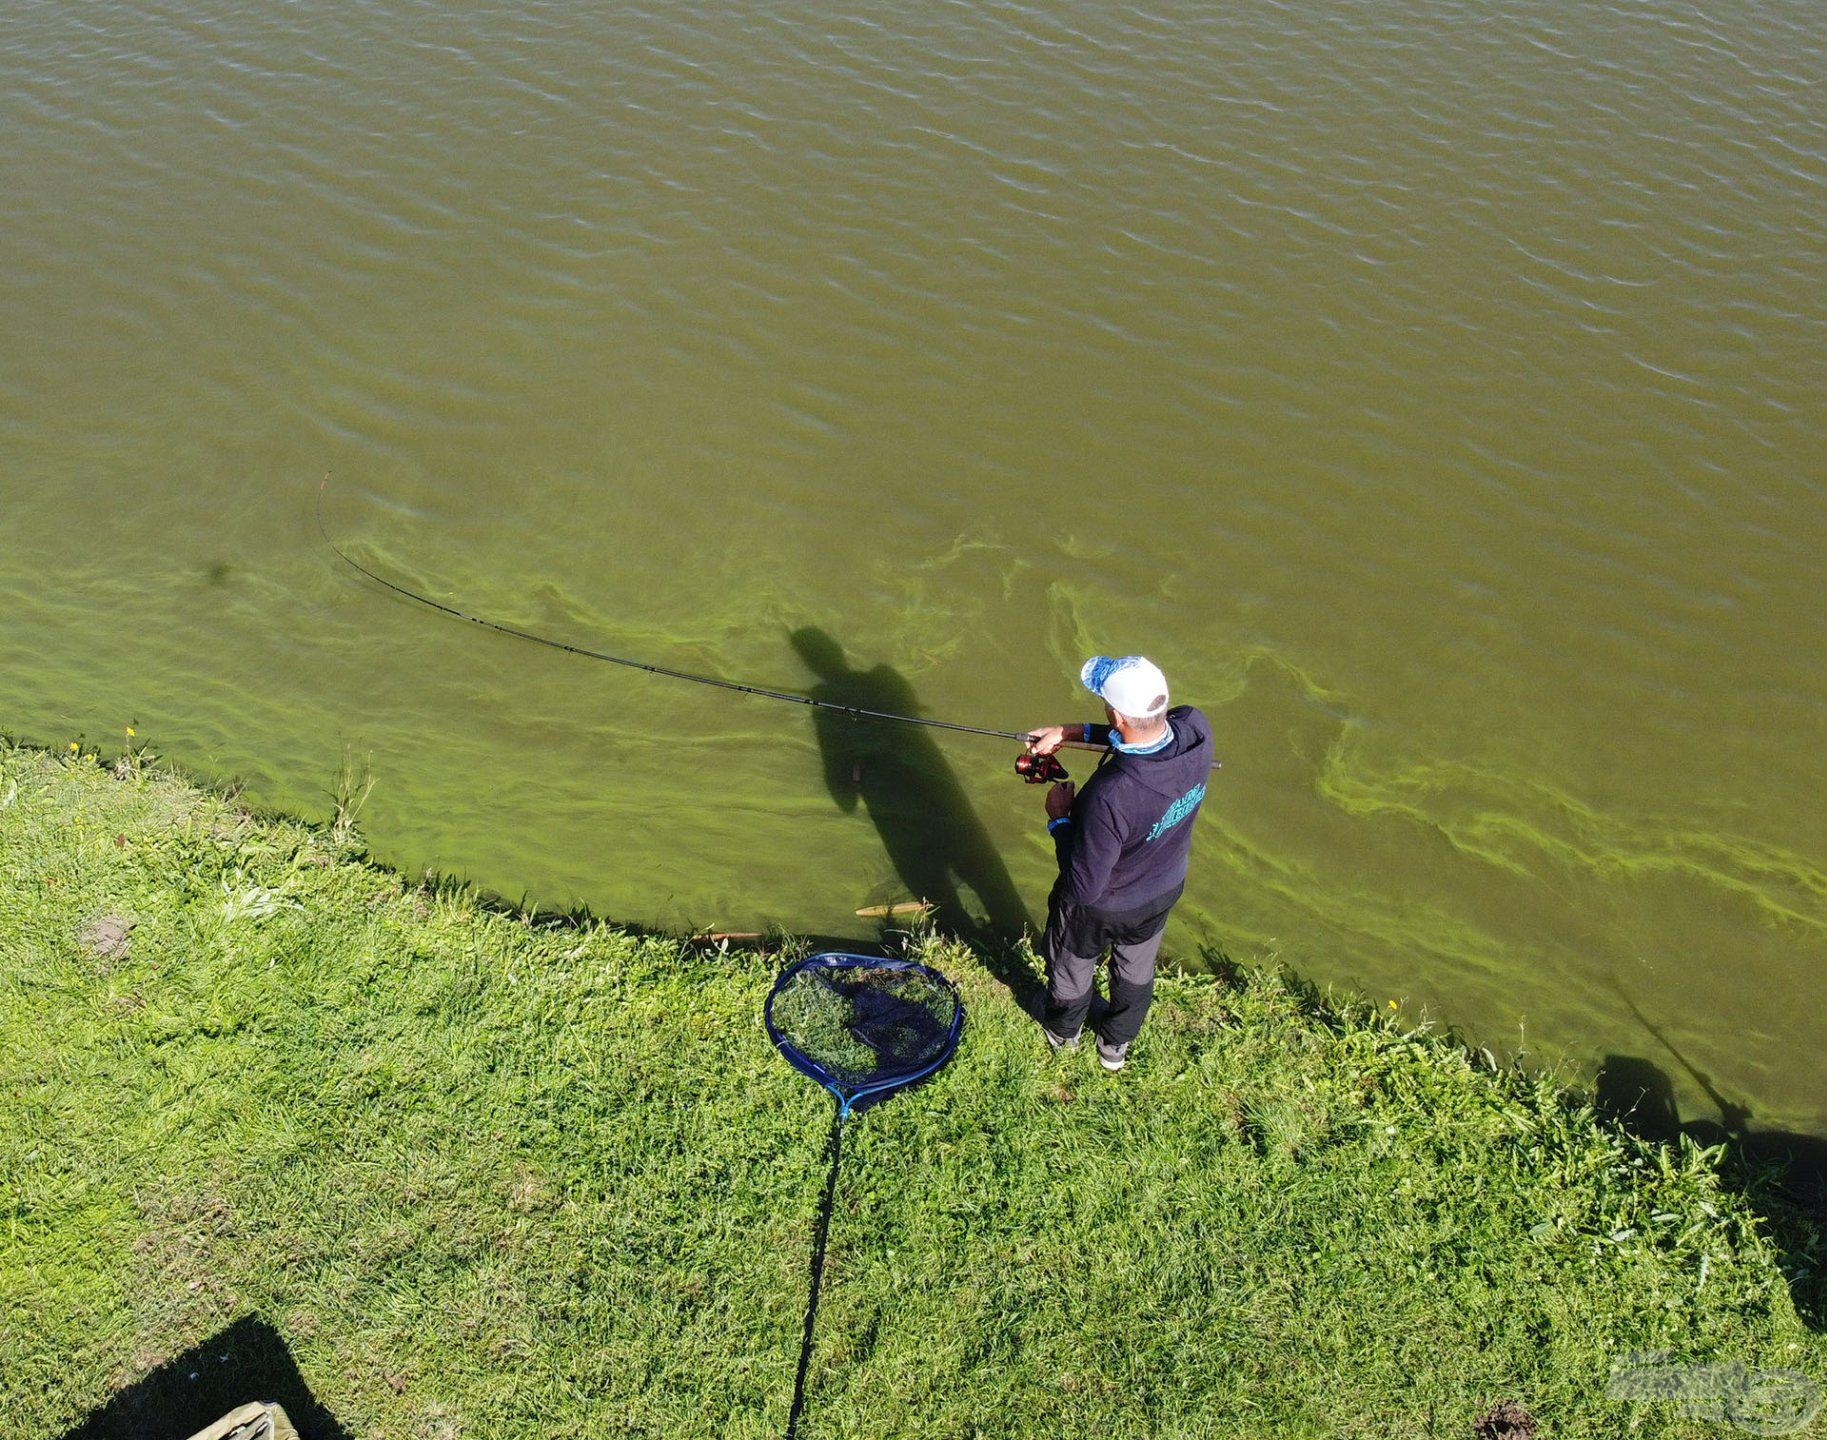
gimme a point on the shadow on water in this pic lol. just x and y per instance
(247, 1361)
(1782, 1172)
(933, 837)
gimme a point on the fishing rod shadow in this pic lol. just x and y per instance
(937, 845)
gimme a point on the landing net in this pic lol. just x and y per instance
(863, 1028)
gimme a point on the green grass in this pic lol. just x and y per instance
(499, 1177)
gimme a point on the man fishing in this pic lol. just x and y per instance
(1123, 844)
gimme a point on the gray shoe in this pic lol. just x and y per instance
(1112, 1057)
(1064, 1044)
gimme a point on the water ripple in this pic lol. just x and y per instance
(1467, 361)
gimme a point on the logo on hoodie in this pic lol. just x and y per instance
(1178, 811)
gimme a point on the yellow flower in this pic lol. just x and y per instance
(1392, 1004)
(72, 744)
(129, 732)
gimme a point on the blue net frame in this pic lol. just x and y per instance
(905, 1042)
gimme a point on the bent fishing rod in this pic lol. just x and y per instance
(1032, 768)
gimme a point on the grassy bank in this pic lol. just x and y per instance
(497, 1178)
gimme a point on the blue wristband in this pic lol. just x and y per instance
(1053, 825)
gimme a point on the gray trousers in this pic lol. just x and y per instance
(1071, 984)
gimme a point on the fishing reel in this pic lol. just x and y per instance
(1040, 769)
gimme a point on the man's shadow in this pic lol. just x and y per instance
(932, 834)
(246, 1361)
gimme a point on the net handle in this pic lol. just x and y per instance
(836, 1144)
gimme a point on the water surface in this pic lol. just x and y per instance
(1434, 390)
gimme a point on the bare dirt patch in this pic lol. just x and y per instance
(1506, 1420)
(105, 937)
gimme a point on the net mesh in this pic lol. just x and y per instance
(866, 1025)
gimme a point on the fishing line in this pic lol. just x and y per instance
(855, 712)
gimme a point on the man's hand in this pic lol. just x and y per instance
(1045, 742)
(1059, 798)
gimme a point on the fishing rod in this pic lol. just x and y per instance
(1032, 768)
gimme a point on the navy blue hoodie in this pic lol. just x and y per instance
(1131, 826)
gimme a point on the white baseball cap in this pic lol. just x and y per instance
(1131, 685)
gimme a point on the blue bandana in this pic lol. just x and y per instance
(1116, 743)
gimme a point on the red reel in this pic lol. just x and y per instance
(1040, 769)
